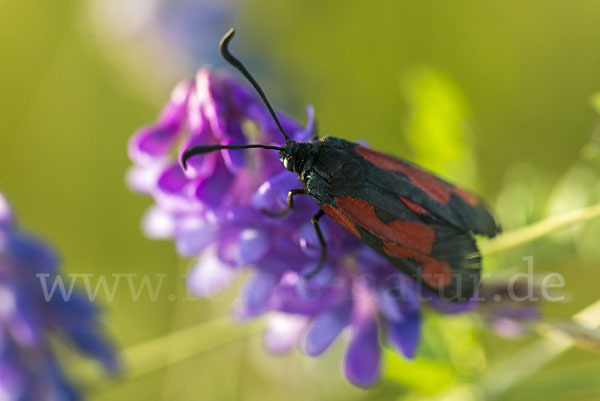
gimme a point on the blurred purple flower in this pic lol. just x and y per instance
(29, 321)
(214, 208)
(508, 307)
(165, 38)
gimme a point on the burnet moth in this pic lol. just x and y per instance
(422, 224)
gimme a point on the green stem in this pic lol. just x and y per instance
(516, 368)
(184, 344)
(176, 347)
(540, 229)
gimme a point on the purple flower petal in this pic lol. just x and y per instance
(173, 190)
(269, 162)
(197, 122)
(270, 129)
(508, 328)
(516, 312)
(362, 360)
(285, 255)
(389, 306)
(397, 296)
(25, 325)
(242, 217)
(157, 223)
(326, 327)
(210, 90)
(151, 143)
(12, 380)
(27, 252)
(212, 191)
(155, 141)
(367, 257)
(448, 307)
(308, 132)
(253, 244)
(272, 195)
(194, 235)
(173, 181)
(8, 303)
(242, 247)
(143, 179)
(286, 297)
(201, 166)
(309, 242)
(242, 97)
(172, 117)
(209, 276)
(282, 332)
(313, 287)
(405, 334)
(234, 159)
(6, 218)
(228, 246)
(257, 293)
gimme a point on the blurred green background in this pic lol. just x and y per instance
(495, 95)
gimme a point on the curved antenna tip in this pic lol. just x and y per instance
(224, 49)
(227, 37)
(184, 160)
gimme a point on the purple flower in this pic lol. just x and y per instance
(508, 307)
(164, 38)
(213, 213)
(30, 320)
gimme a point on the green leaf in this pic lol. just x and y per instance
(438, 127)
(424, 376)
(449, 350)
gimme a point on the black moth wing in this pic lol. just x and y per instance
(423, 188)
(427, 239)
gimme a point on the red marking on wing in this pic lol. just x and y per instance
(437, 274)
(466, 195)
(433, 186)
(418, 209)
(341, 219)
(415, 236)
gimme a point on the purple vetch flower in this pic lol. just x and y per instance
(30, 320)
(508, 307)
(213, 212)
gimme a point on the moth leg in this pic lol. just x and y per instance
(290, 204)
(323, 257)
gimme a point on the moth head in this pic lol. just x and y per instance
(294, 155)
(287, 158)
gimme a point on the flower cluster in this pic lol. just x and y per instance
(214, 209)
(29, 320)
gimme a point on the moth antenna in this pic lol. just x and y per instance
(198, 150)
(224, 48)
